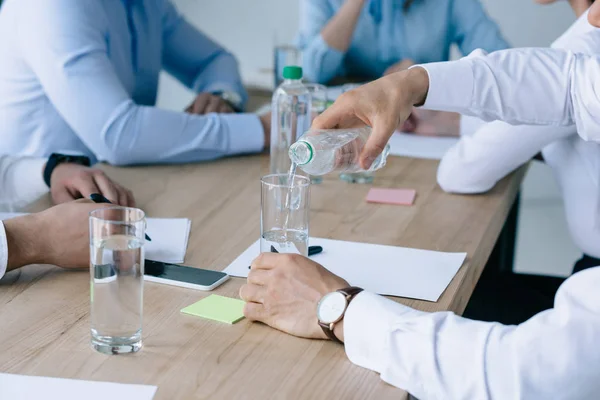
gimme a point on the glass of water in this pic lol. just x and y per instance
(117, 278)
(284, 55)
(284, 214)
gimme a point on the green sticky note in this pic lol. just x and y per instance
(218, 308)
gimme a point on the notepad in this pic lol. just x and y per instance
(217, 308)
(387, 270)
(404, 197)
(23, 387)
(169, 237)
(418, 146)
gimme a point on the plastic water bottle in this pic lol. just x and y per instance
(291, 108)
(320, 152)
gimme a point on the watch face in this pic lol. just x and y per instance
(331, 307)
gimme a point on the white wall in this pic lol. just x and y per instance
(249, 27)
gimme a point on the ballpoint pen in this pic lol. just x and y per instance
(98, 198)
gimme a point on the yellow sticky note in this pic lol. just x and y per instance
(217, 308)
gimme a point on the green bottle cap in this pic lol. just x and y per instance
(292, 72)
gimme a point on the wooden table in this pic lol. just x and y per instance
(44, 316)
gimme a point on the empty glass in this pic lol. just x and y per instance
(117, 278)
(284, 214)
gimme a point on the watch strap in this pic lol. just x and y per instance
(56, 159)
(350, 293)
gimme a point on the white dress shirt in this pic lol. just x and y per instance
(481, 159)
(555, 354)
(21, 183)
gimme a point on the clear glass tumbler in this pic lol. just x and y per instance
(117, 278)
(284, 214)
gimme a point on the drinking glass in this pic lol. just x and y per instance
(284, 214)
(117, 278)
(284, 55)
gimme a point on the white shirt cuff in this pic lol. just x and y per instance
(450, 85)
(25, 178)
(3, 250)
(368, 326)
(246, 134)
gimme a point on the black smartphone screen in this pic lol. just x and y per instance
(180, 273)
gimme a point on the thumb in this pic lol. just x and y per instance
(383, 129)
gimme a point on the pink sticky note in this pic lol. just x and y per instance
(404, 197)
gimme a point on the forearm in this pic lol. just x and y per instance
(22, 238)
(339, 30)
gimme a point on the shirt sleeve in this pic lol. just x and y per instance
(320, 62)
(479, 161)
(66, 48)
(3, 251)
(195, 60)
(521, 86)
(476, 163)
(473, 29)
(444, 356)
(21, 182)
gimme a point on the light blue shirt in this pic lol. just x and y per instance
(385, 34)
(82, 76)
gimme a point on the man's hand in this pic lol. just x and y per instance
(283, 291)
(208, 103)
(399, 66)
(58, 235)
(265, 121)
(72, 181)
(382, 104)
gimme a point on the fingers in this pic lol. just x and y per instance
(130, 198)
(224, 108)
(213, 105)
(383, 129)
(84, 186)
(199, 105)
(255, 312)
(264, 261)
(107, 188)
(61, 194)
(258, 277)
(253, 293)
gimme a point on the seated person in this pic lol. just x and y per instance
(82, 76)
(369, 38)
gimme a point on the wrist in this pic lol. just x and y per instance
(21, 238)
(338, 330)
(417, 81)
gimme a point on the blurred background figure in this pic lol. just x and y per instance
(365, 39)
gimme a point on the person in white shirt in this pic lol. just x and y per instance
(58, 235)
(554, 354)
(481, 158)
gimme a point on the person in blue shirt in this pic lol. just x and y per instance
(366, 39)
(82, 76)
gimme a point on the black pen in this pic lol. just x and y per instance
(312, 250)
(98, 198)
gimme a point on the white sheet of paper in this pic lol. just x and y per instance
(417, 146)
(386, 270)
(169, 237)
(21, 387)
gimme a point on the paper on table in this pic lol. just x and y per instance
(405, 197)
(169, 237)
(418, 146)
(218, 308)
(386, 270)
(21, 387)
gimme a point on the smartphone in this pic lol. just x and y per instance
(187, 277)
